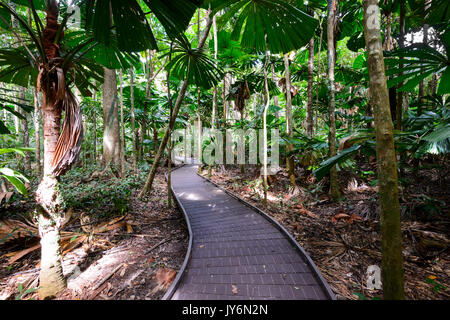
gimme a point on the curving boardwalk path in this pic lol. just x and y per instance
(236, 252)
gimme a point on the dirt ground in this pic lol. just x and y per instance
(137, 256)
(134, 257)
(344, 239)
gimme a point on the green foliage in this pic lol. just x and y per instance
(16, 178)
(193, 65)
(101, 197)
(287, 28)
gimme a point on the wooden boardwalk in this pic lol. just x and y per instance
(236, 252)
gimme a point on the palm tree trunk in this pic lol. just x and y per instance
(48, 197)
(318, 78)
(309, 109)
(122, 126)
(94, 124)
(111, 131)
(401, 95)
(392, 260)
(37, 136)
(334, 184)
(289, 122)
(133, 120)
(266, 107)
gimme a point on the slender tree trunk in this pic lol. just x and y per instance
(150, 67)
(309, 109)
(214, 102)
(149, 182)
(266, 107)
(289, 123)
(133, 121)
(318, 78)
(122, 126)
(111, 130)
(37, 135)
(94, 124)
(392, 260)
(48, 197)
(401, 95)
(334, 184)
(422, 84)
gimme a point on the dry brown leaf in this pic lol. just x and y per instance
(339, 216)
(22, 253)
(13, 229)
(129, 228)
(165, 277)
(307, 213)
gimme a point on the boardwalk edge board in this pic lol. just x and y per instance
(170, 292)
(286, 233)
(172, 289)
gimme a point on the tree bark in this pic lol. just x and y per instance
(48, 197)
(37, 135)
(401, 95)
(133, 121)
(392, 260)
(122, 126)
(334, 184)
(111, 128)
(266, 107)
(309, 109)
(289, 122)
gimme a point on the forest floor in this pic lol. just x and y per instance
(119, 247)
(344, 239)
(115, 245)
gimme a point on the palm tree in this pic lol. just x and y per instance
(48, 63)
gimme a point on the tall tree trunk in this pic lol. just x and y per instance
(25, 131)
(215, 97)
(318, 77)
(289, 122)
(150, 68)
(94, 124)
(334, 184)
(151, 176)
(401, 95)
(37, 135)
(133, 121)
(266, 107)
(122, 126)
(309, 109)
(48, 197)
(422, 84)
(21, 125)
(111, 130)
(392, 260)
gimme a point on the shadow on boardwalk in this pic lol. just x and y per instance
(235, 252)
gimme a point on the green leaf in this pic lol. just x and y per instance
(444, 84)
(442, 132)
(17, 150)
(17, 184)
(326, 166)
(287, 28)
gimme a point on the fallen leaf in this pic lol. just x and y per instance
(202, 246)
(129, 228)
(339, 216)
(165, 277)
